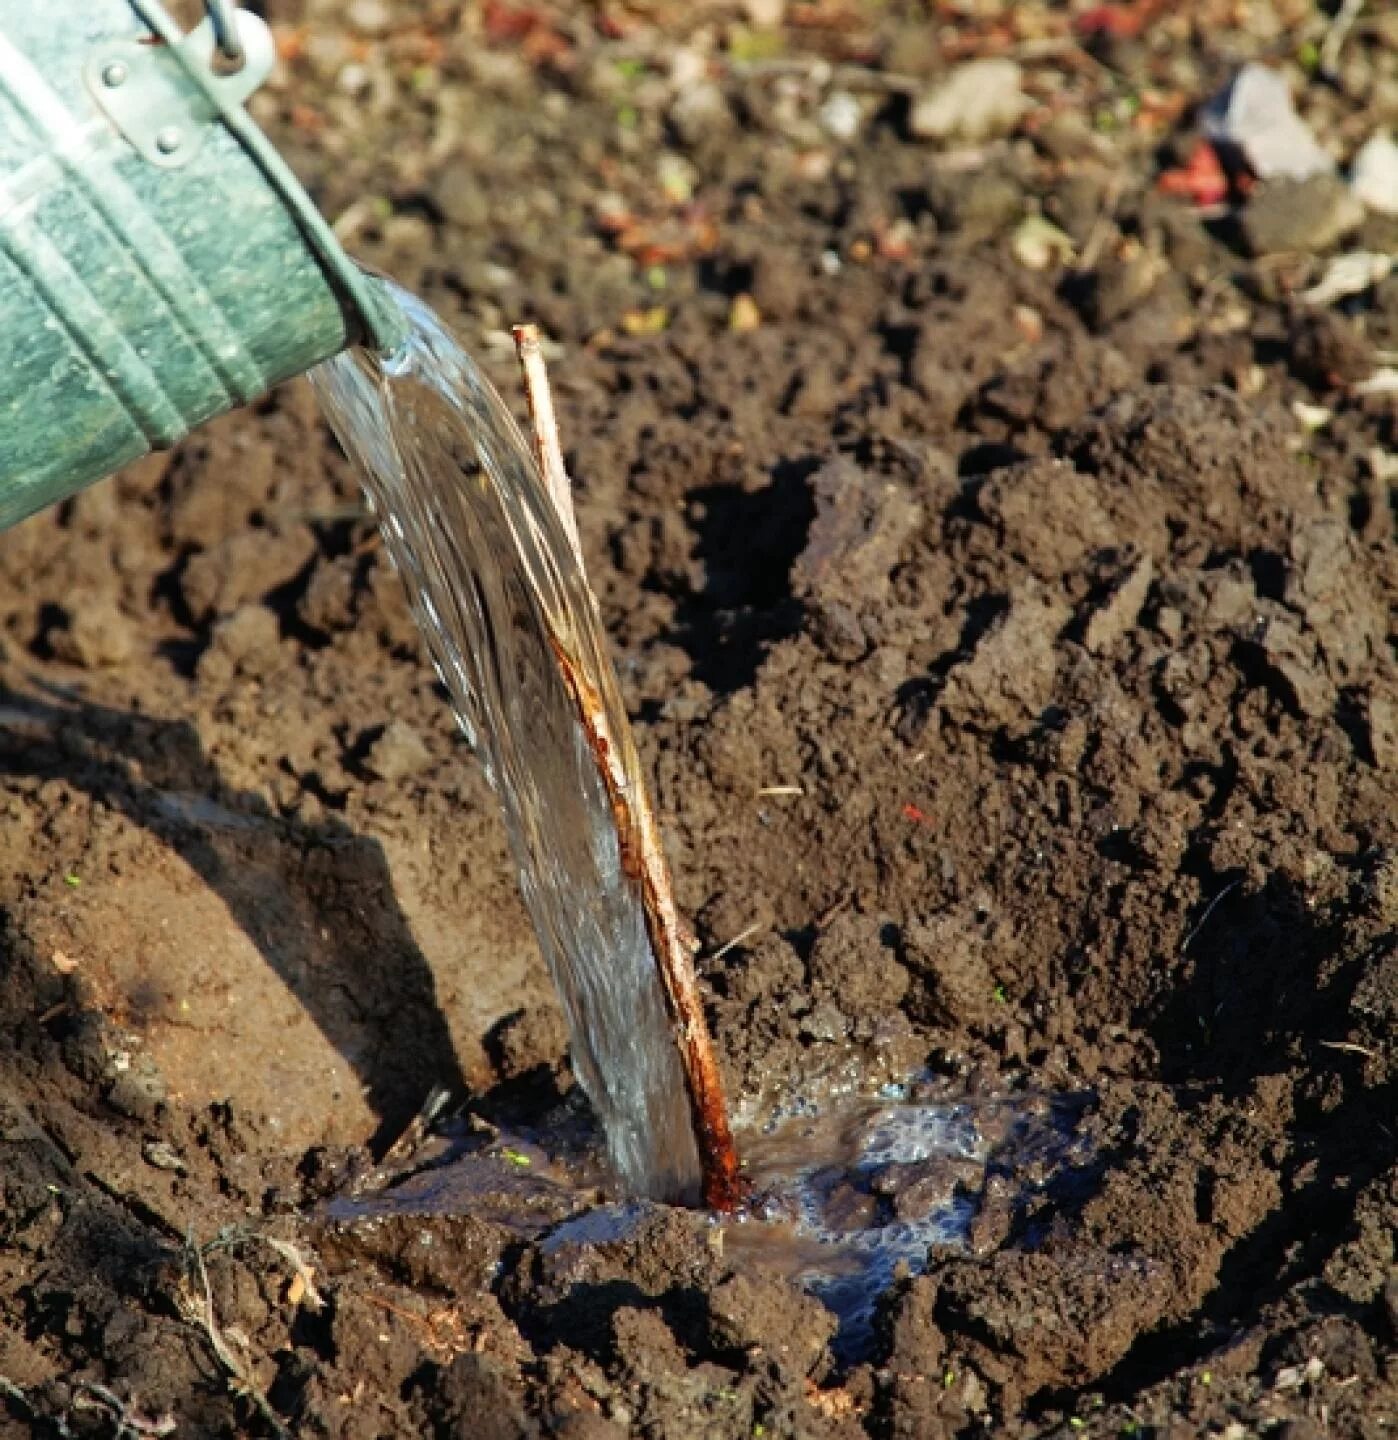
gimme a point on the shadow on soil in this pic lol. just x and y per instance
(747, 542)
(316, 900)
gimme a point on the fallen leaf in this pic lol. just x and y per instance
(743, 314)
(1201, 179)
(650, 321)
(1038, 243)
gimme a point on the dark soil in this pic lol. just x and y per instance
(1016, 672)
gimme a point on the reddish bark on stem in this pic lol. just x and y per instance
(642, 855)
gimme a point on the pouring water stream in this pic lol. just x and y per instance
(494, 581)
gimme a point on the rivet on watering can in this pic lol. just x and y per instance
(114, 74)
(168, 140)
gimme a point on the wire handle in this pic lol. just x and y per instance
(223, 17)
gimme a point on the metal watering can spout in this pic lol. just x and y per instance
(159, 262)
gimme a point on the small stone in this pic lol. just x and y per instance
(97, 636)
(1327, 350)
(1255, 117)
(779, 285)
(765, 14)
(743, 314)
(700, 113)
(978, 101)
(457, 196)
(137, 1091)
(988, 203)
(1306, 215)
(1067, 137)
(1118, 286)
(370, 17)
(825, 1022)
(1373, 176)
(162, 1156)
(398, 753)
(841, 116)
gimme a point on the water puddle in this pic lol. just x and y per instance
(847, 1191)
(853, 1191)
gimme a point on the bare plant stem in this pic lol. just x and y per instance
(547, 450)
(642, 854)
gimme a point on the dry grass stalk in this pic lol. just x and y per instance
(642, 854)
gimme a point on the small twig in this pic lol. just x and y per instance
(746, 933)
(432, 1325)
(638, 831)
(418, 1128)
(822, 73)
(1349, 1047)
(207, 1321)
(547, 451)
(128, 1422)
(1204, 918)
(1335, 37)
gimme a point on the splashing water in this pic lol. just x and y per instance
(494, 585)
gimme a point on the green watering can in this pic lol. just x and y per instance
(159, 264)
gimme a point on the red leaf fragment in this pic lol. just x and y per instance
(1201, 179)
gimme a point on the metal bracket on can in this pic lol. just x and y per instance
(145, 92)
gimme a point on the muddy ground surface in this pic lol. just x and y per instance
(1011, 646)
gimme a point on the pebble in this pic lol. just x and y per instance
(841, 116)
(458, 197)
(1255, 116)
(699, 113)
(1373, 176)
(162, 1156)
(398, 753)
(988, 204)
(137, 1092)
(978, 101)
(765, 14)
(1118, 286)
(1307, 215)
(370, 17)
